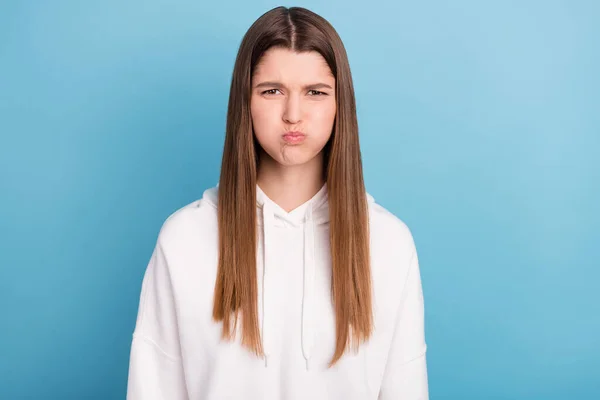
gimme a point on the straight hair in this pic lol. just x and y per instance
(236, 286)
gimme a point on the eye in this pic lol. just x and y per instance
(270, 91)
(317, 93)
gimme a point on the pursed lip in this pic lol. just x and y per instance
(294, 137)
(294, 133)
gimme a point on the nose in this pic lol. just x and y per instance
(292, 111)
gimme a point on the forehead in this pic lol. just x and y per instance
(289, 66)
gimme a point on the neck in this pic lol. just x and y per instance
(290, 186)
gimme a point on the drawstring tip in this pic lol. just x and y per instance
(307, 364)
(265, 361)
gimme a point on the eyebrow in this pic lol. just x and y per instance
(313, 86)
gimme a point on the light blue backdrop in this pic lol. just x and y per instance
(480, 128)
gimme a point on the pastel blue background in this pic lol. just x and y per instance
(480, 128)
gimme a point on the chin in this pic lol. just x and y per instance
(293, 161)
(291, 156)
(294, 158)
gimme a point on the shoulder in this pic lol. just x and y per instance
(193, 221)
(188, 242)
(389, 232)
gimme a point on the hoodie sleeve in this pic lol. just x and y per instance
(155, 366)
(405, 376)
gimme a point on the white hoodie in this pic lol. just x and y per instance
(177, 353)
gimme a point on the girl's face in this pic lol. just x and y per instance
(292, 92)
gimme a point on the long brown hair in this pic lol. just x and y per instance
(236, 288)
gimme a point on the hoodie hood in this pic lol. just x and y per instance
(309, 215)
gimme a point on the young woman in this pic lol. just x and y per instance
(287, 280)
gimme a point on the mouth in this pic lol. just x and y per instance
(294, 137)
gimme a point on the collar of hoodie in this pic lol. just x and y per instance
(312, 213)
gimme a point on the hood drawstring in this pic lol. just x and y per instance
(268, 222)
(308, 289)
